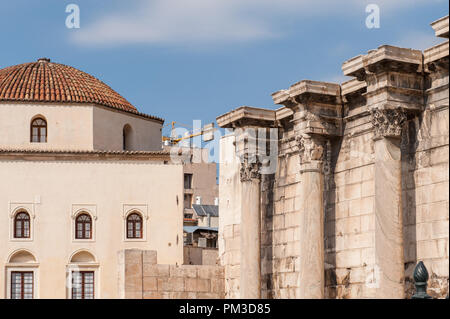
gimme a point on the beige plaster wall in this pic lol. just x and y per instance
(53, 190)
(75, 127)
(206, 221)
(69, 126)
(108, 129)
(203, 181)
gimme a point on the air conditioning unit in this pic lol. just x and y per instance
(202, 242)
(198, 200)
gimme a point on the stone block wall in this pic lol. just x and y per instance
(140, 277)
(200, 256)
(384, 210)
(425, 193)
(280, 225)
(350, 218)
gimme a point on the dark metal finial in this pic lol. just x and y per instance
(420, 278)
(420, 272)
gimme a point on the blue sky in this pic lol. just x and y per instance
(196, 59)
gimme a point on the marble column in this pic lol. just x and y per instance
(312, 278)
(389, 259)
(250, 230)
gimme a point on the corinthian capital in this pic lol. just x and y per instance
(310, 148)
(250, 169)
(388, 122)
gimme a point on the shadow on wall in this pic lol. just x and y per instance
(331, 284)
(268, 182)
(409, 148)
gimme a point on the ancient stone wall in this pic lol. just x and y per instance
(372, 152)
(200, 256)
(281, 225)
(350, 219)
(140, 277)
(426, 179)
(425, 204)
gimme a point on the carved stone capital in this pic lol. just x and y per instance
(310, 148)
(250, 169)
(388, 122)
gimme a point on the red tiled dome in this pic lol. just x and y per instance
(45, 81)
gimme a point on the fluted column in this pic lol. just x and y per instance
(312, 278)
(389, 258)
(250, 230)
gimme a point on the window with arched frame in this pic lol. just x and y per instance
(22, 225)
(38, 131)
(83, 226)
(127, 137)
(134, 226)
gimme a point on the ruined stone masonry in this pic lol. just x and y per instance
(360, 191)
(141, 277)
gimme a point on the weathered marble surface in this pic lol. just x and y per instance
(385, 201)
(311, 279)
(251, 240)
(389, 260)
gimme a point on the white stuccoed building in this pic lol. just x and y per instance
(82, 176)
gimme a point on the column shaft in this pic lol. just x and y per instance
(312, 232)
(250, 232)
(389, 258)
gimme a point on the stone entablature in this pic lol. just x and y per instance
(440, 27)
(246, 116)
(360, 65)
(393, 75)
(436, 53)
(316, 106)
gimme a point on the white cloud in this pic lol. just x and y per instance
(210, 21)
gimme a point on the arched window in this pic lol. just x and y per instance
(22, 279)
(83, 279)
(22, 225)
(134, 226)
(83, 227)
(127, 136)
(38, 130)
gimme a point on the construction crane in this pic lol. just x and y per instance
(207, 131)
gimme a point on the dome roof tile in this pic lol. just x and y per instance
(45, 81)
